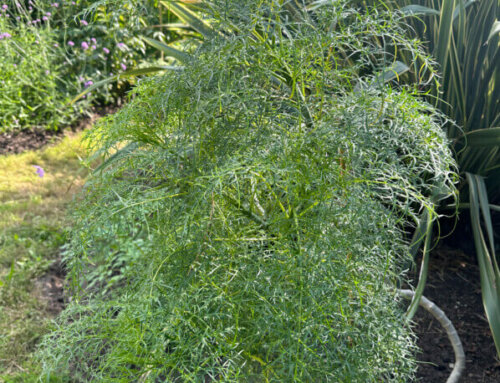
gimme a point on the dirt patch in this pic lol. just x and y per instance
(32, 139)
(454, 285)
(50, 288)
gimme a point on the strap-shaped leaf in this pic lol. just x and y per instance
(183, 13)
(488, 266)
(415, 9)
(462, 7)
(495, 29)
(483, 137)
(445, 30)
(169, 51)
(123, 152)
(397, 69)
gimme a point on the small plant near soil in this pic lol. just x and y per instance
(33, 225)
(248, 223)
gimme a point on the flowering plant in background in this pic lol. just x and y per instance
(33, 91)
(71, 43)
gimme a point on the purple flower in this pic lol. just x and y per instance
(5, 6)
(93, 39)
(48, 14)
(83, 22)
(45, 18)
(93, 47)
(71, 43)
(47, 72)
(39, 171)
(5, 35)
(124, 67)
(89, 83)
(55, 5)
(105, 50)
(85, 46)
(121, 45)
(56, 45)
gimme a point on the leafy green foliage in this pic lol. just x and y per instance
(33, 91)
(248, 221)
(52, 51)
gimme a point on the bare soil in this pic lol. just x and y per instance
(454, 285)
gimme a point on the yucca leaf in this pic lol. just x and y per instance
(183, 13)
(415, 9)
(483, 137)
(495, 29)
(488, 266)
(444, 32)
(169, 51)
(462, 7)
(397, 69)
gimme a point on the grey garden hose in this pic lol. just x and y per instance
(437, 313)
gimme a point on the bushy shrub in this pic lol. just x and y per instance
(33, 92)
(247, 224)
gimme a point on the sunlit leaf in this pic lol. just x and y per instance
(169, 51)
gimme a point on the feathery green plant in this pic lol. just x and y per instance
(248, 221)
(463, 35)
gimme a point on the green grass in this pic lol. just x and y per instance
(33, 226)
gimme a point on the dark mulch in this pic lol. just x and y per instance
(454, 285)
(31, 139)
